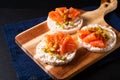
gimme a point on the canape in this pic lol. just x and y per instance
(97, 38)
(56, 49)
(65, 20)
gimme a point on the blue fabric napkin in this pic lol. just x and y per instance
(25, 67)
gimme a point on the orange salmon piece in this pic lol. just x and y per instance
(91, 37)
(55, 38)
(61, 10)
(50, 40)
(68, 45)
(83, 33)
(73, 13)
(55, 16)
(59, 37)
(62, 14)
(65, 42)
(98, 43)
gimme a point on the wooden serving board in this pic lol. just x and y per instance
(28, 40)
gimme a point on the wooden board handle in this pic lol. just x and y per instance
(108, 6)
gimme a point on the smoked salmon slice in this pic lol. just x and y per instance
(73, 13)
(83, 33)
(68, 45)
(61, 10)
(98, 43)
(63, 14)
(55, 16)
(96, 36)
(89, 38)
(65, 42)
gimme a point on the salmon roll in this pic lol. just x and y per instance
(65, 20)
(97, 38)
(56, 49)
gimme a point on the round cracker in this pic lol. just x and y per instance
(111, 41)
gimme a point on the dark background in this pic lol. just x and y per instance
(18, 10)
(12, 11)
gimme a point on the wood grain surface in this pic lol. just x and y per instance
(28, 40)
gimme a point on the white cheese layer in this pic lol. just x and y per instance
(111, 41)
(67, 28)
